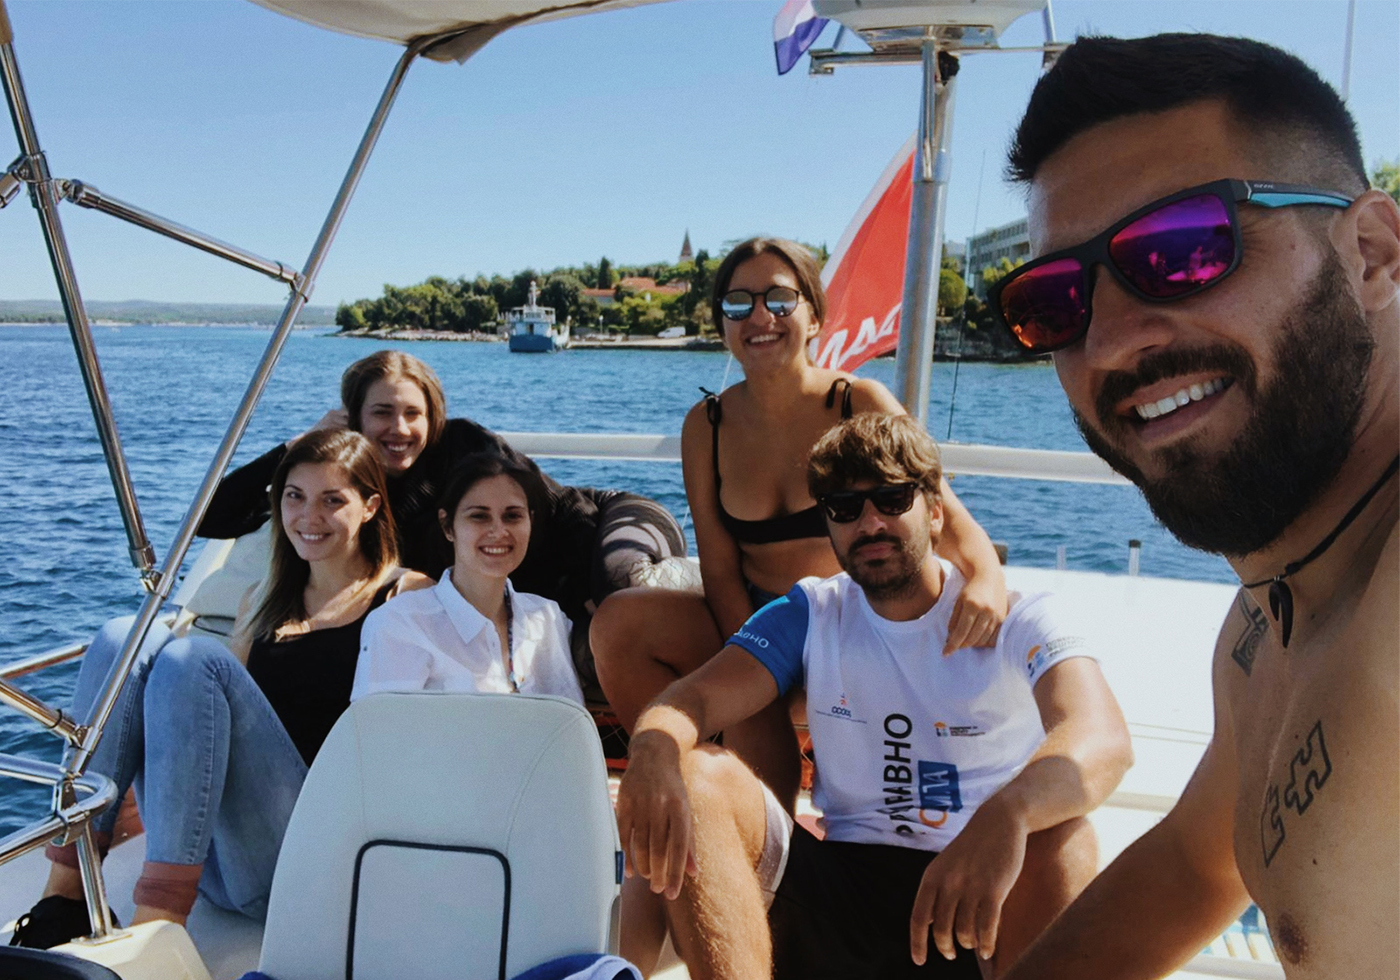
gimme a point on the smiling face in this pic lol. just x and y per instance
(394, 419)
(761, 338)
(322, 512)
(885, 554)
(490, 529)
(1231, 409)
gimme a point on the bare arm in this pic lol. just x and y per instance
(721, 563)
(1167, 895)
(653, 812)
(1084, 756)
(982, 603)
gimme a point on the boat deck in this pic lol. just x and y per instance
(1154, 638)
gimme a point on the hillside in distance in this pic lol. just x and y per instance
(147, 311)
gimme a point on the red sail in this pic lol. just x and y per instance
(864, 277)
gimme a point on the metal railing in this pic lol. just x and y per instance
(78, 796)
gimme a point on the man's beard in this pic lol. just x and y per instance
(1301, 430)
(894, 577)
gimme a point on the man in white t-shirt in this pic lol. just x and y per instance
(953, 788)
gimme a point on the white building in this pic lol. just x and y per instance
(988, 248)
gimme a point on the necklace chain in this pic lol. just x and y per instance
(1280, 595)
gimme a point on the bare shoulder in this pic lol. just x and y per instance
(410, 581)
(695, 433)
(869, 395)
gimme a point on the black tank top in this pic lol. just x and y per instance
(806, 523)
(307, 678)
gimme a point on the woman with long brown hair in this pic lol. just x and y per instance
(218, 750)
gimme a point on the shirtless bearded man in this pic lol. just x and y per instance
(1241, 364)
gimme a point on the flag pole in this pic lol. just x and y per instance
(923, 259)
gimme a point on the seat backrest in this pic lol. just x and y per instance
(447, 836)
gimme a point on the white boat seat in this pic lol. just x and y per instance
(458, 836)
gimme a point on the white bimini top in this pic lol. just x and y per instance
(434, 640)
(908, 742)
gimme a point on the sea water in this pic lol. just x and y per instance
(173, 389)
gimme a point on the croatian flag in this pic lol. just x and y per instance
(794, 30)
(864, 278)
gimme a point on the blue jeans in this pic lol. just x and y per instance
(216, 774)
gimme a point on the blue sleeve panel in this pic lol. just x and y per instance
(776, 635)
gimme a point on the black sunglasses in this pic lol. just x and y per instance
(1170, 249)
(844, 506)
(738, 304)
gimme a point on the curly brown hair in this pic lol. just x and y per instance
(877, 447)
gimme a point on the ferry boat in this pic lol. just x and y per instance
(530, 329)
(521, 857)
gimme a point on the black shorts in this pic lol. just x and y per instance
(842, 911)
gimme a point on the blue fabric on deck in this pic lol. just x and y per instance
(583, 966)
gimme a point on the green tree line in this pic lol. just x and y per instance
(465, 305)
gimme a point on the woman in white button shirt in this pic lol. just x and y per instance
(472, 631)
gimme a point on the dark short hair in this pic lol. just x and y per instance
(476, 467)
(393, 365)
(1273, 95)
(876, 447)
(798, 257)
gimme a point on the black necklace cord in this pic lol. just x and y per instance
(1280, 595)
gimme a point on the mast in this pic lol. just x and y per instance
(933, 35)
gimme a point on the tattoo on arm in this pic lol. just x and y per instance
(1248, 643)
(1307, 773)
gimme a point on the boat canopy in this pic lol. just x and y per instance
(863, 16)
(464, 25)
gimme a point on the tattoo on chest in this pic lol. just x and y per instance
(1248, 643)
(1307, 773)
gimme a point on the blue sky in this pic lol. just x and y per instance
(558, 143)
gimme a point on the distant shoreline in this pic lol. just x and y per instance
(170, 323)
(633, 343)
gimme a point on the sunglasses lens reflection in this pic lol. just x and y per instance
(736, 304)
(1176, 249)
(1045, 306)
(781, 301)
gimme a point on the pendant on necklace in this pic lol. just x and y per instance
(1281, 605)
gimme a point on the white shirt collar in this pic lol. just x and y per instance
(465, 618)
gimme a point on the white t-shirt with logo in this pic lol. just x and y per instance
(908, 741)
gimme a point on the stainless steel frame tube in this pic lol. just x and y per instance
(151, 607)
(923, 258)
(100, 791)
(49, 658)
(30, 706)
(87, 196)
(45, 200)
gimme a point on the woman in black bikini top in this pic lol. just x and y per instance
(757, 528)
(805, 523)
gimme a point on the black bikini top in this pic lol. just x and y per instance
(806, 523)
